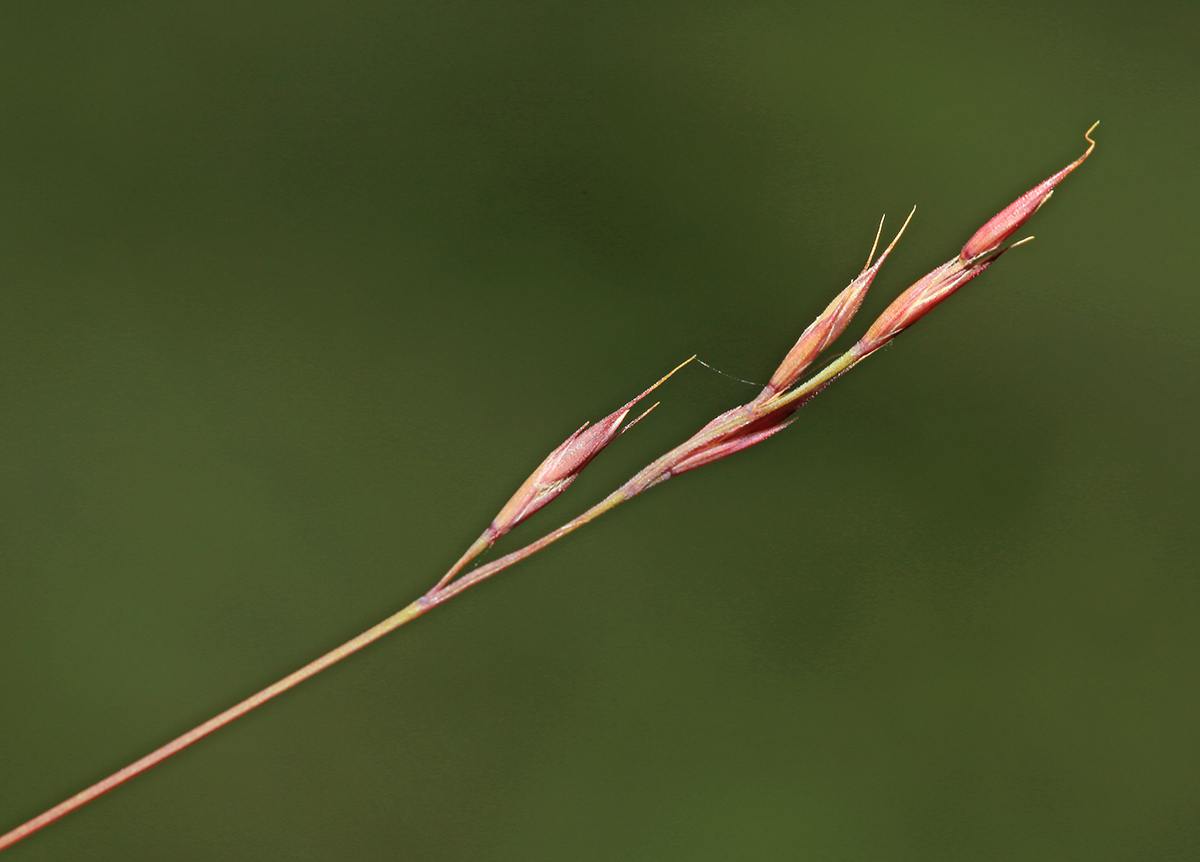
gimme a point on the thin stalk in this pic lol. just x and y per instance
(730, 432)
(176, 745)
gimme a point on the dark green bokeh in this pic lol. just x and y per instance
(295, 294)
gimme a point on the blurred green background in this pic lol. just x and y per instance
(295, 295)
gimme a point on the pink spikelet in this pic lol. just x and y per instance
(555, 474)
(830, 323)
(1009, 220)
(562, 466)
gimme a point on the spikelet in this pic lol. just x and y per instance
(830, 323)
(1006, 222)
(562, 466)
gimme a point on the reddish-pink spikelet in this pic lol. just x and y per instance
(1009, 220)
(831, 323)
(726, 447)
(549, 480)
(914, 303)
(562, 466)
